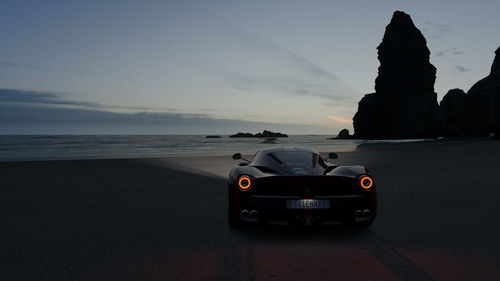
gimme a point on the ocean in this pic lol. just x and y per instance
(53, 147)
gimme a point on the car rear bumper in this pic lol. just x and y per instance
(275, 208)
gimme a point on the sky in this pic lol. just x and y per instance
(217, 67)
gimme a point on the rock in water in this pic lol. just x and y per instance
(264, 134)
(404, 104)
(485, 99)
(343, 134)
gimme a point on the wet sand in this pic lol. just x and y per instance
(157, 219)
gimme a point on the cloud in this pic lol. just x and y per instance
(36, 97)
(281, 70)
(27, 119)
(36, 112)
(269, 47)
(340, 119)
(435, 31)
(8, 63)
(462, 68)
(46, 98)
(445, 53)
(13, 64)
(287, 85)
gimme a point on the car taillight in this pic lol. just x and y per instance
(244, 183)
(366, 182)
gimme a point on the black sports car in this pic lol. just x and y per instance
(297, 186)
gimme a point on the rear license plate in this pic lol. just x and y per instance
(308, 204)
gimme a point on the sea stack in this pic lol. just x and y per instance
(485, 98)
(343, 134)
(404, 104)
(454, 107)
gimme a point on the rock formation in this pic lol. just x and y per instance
(485, 99)
(453, 106)
(404, 104)
(343, 134)
(264, 134)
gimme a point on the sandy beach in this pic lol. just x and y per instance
(165, 219)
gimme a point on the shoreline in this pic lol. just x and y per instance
(366, 145)
(218, 165)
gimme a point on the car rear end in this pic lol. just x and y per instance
(306, 200)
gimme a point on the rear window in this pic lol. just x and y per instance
(296, 162)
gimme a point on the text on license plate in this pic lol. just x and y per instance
(308, 204)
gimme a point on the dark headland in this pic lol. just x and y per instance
(404, 104)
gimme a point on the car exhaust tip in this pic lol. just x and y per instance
(367, 213)
(254, 214)
(244, 213)
(358, 213)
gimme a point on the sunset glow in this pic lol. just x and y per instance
(340, 119)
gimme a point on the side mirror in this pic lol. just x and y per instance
(237, 156)
(332, 155)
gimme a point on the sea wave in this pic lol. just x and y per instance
(51, 147)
